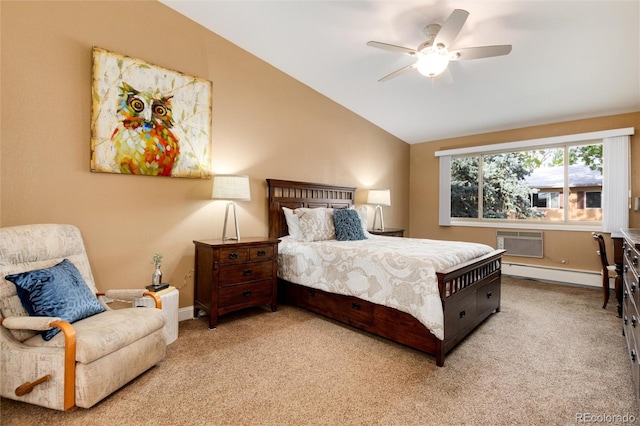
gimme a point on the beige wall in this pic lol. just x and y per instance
(265, 125)
(576, 248)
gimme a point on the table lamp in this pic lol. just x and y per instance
(232, 188)
(379, 197)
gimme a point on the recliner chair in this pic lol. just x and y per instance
(91, 357)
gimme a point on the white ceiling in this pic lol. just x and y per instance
(570, 59)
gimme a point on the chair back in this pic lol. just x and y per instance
(28, 247)
(602, 251)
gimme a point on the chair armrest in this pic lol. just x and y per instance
(131, 294)
(124, 294)
(47, 323)
(28, 323)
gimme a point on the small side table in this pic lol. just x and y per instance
(170, 299)
(233, 275)
(389, 232)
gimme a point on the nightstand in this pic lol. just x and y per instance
(233, 275)
(389, 232)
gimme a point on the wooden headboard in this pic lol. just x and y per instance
(286, 193)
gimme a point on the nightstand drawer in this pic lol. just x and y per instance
(245, 272)
(260, 253)
(234, 255)
(250, 294)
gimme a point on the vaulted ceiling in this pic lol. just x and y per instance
(570, 59)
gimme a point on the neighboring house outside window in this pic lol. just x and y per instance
(585, 192)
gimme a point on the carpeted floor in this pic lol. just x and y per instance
(549, 357)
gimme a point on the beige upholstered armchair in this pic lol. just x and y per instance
(47, 292)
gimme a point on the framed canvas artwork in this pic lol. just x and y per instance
(148, 120)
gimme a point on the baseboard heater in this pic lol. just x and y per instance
(521, 243)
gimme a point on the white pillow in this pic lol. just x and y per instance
(362, 212)
(316, 224)
(293, 223)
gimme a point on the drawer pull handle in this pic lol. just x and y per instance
(233, 255)
(635, 260)
(247, 272)
(463, 314)
(246, 293)
(633, 355)
(625, 320)
(634, 321)
(355, 306)
(312, 292)
(489, 294)
(625, 294)
(626, 268)
(262, 253)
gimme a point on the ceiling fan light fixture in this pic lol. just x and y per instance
(432, 61)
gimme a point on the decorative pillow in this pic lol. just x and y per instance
(348, 225)
(293, 224)
(316, 224)
(58, 291)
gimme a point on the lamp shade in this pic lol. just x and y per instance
(231, 187)
(381, 197)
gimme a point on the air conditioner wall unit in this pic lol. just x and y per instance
(521, 243)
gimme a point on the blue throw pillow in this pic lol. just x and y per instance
(348, 225)
(58, 291)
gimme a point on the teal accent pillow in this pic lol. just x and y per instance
(348, 225)
(58, 291)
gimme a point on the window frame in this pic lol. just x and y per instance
(615, 169)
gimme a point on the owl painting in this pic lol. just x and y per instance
(148, 120)
(143, 143)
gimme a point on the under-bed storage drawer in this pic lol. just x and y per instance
(342, 308)
(460, 314)
(488, 297)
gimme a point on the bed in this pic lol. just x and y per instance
(469, 292)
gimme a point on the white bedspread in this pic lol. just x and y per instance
(390, 271)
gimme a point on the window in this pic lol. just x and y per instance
(593, 200)
(527, 185)
(546, 200)
(561, 182)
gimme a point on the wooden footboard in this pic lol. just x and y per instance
(470, 292)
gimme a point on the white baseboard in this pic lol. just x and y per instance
(559, 275)
(185, 313)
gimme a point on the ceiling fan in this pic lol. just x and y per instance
(434, 54)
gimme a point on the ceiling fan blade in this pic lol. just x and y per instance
(479, 52)
(451, 28)
(397, 73)
(392, 48)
